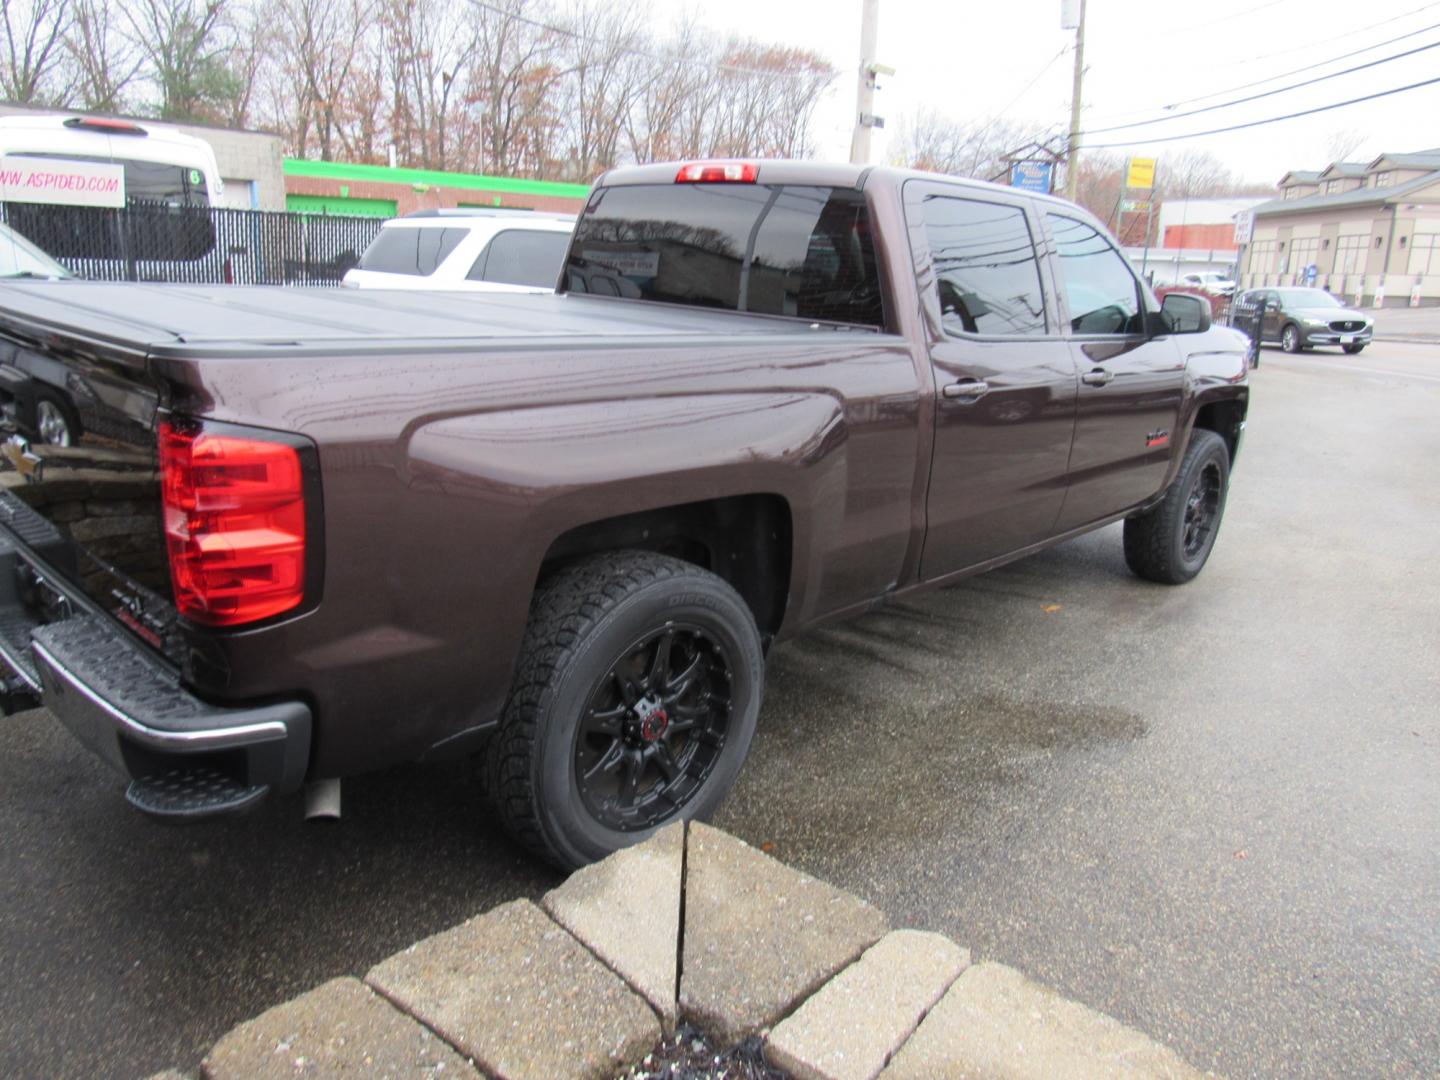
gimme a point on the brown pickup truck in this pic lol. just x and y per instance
(259, 539)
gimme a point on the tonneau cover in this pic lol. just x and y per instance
(162, 319)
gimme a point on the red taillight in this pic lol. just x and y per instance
(110, 127)
(234, 524)
(718, 172)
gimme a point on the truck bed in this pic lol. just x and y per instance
(186, 319)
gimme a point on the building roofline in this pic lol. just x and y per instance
(382, 174)
(1359, 197)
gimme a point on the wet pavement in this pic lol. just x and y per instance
(1212, 811)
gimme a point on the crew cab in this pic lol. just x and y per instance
(307, 533)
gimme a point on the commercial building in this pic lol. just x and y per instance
(337, 187)
(1369, 232)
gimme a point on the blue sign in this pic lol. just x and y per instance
(1031, 176)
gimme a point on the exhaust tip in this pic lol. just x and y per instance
(322, 800)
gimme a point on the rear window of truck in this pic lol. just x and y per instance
(793, 250)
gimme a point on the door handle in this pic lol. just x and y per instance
(967, 389)
(1098, 377)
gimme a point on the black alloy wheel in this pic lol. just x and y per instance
(654, 727)
(1202, 509)
(633, 705)
(1170, 542)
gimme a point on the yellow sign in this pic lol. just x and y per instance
(1140, 173)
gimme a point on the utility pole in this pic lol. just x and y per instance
(865, 118)
(1072, 153)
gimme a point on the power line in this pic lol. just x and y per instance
(658, 57)
(1226, 18)
(1267, 93)
(1349, 34)
(1307, 67)
(1261, 123)
(1337, 37)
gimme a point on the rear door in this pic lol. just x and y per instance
(1005, 380)
(1130, 383)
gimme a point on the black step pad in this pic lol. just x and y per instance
(192, 792)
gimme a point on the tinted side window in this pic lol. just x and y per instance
(985, 267)
(1102, 293)
(790, 250)
(410, 251)
(522, 257)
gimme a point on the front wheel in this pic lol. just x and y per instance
(633, 705)
(1353, 349)
(1170, 542)
(1290, 339)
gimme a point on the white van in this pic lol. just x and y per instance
(166, 173)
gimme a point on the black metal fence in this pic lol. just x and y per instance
(197, 245)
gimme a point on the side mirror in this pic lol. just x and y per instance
(1185, 314)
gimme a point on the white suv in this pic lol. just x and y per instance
(474, 249)
(1211, 282)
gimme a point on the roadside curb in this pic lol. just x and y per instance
(692, 925)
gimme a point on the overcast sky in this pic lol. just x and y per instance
(970, 60)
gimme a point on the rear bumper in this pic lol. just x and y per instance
(134, 714)
(128, 707)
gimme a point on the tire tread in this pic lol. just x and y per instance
(1150, 537)
(564, 610)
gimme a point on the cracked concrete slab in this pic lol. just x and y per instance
(341, 1028)
(852, 1025)
(514, 991)
(626, 909)
(995, 1024)
(760, 936)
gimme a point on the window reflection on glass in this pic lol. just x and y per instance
(1100, 290)
(793, 250)
(985, 267)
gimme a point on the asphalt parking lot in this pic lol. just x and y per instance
(1213, 811)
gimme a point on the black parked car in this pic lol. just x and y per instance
(1303, 318)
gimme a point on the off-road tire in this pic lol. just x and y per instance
(581, 621)
(1155, 539)
(1352, 348)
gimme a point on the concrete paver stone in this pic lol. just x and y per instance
(760, 936)
(852, 1024)
(340, 1028)
(995, 1024)
(521, 997)
(626, 910)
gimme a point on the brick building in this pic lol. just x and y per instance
(336, 187)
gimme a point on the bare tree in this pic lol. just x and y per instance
(186, 45)
(1193, 174)
(603, 79)
(512, 84)
(34, 32)
(428, 46)
(1343, 142)
(102, 61)
(975, 150)
(318, 46)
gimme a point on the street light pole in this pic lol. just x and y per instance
(865, 93)
(1072, 153)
